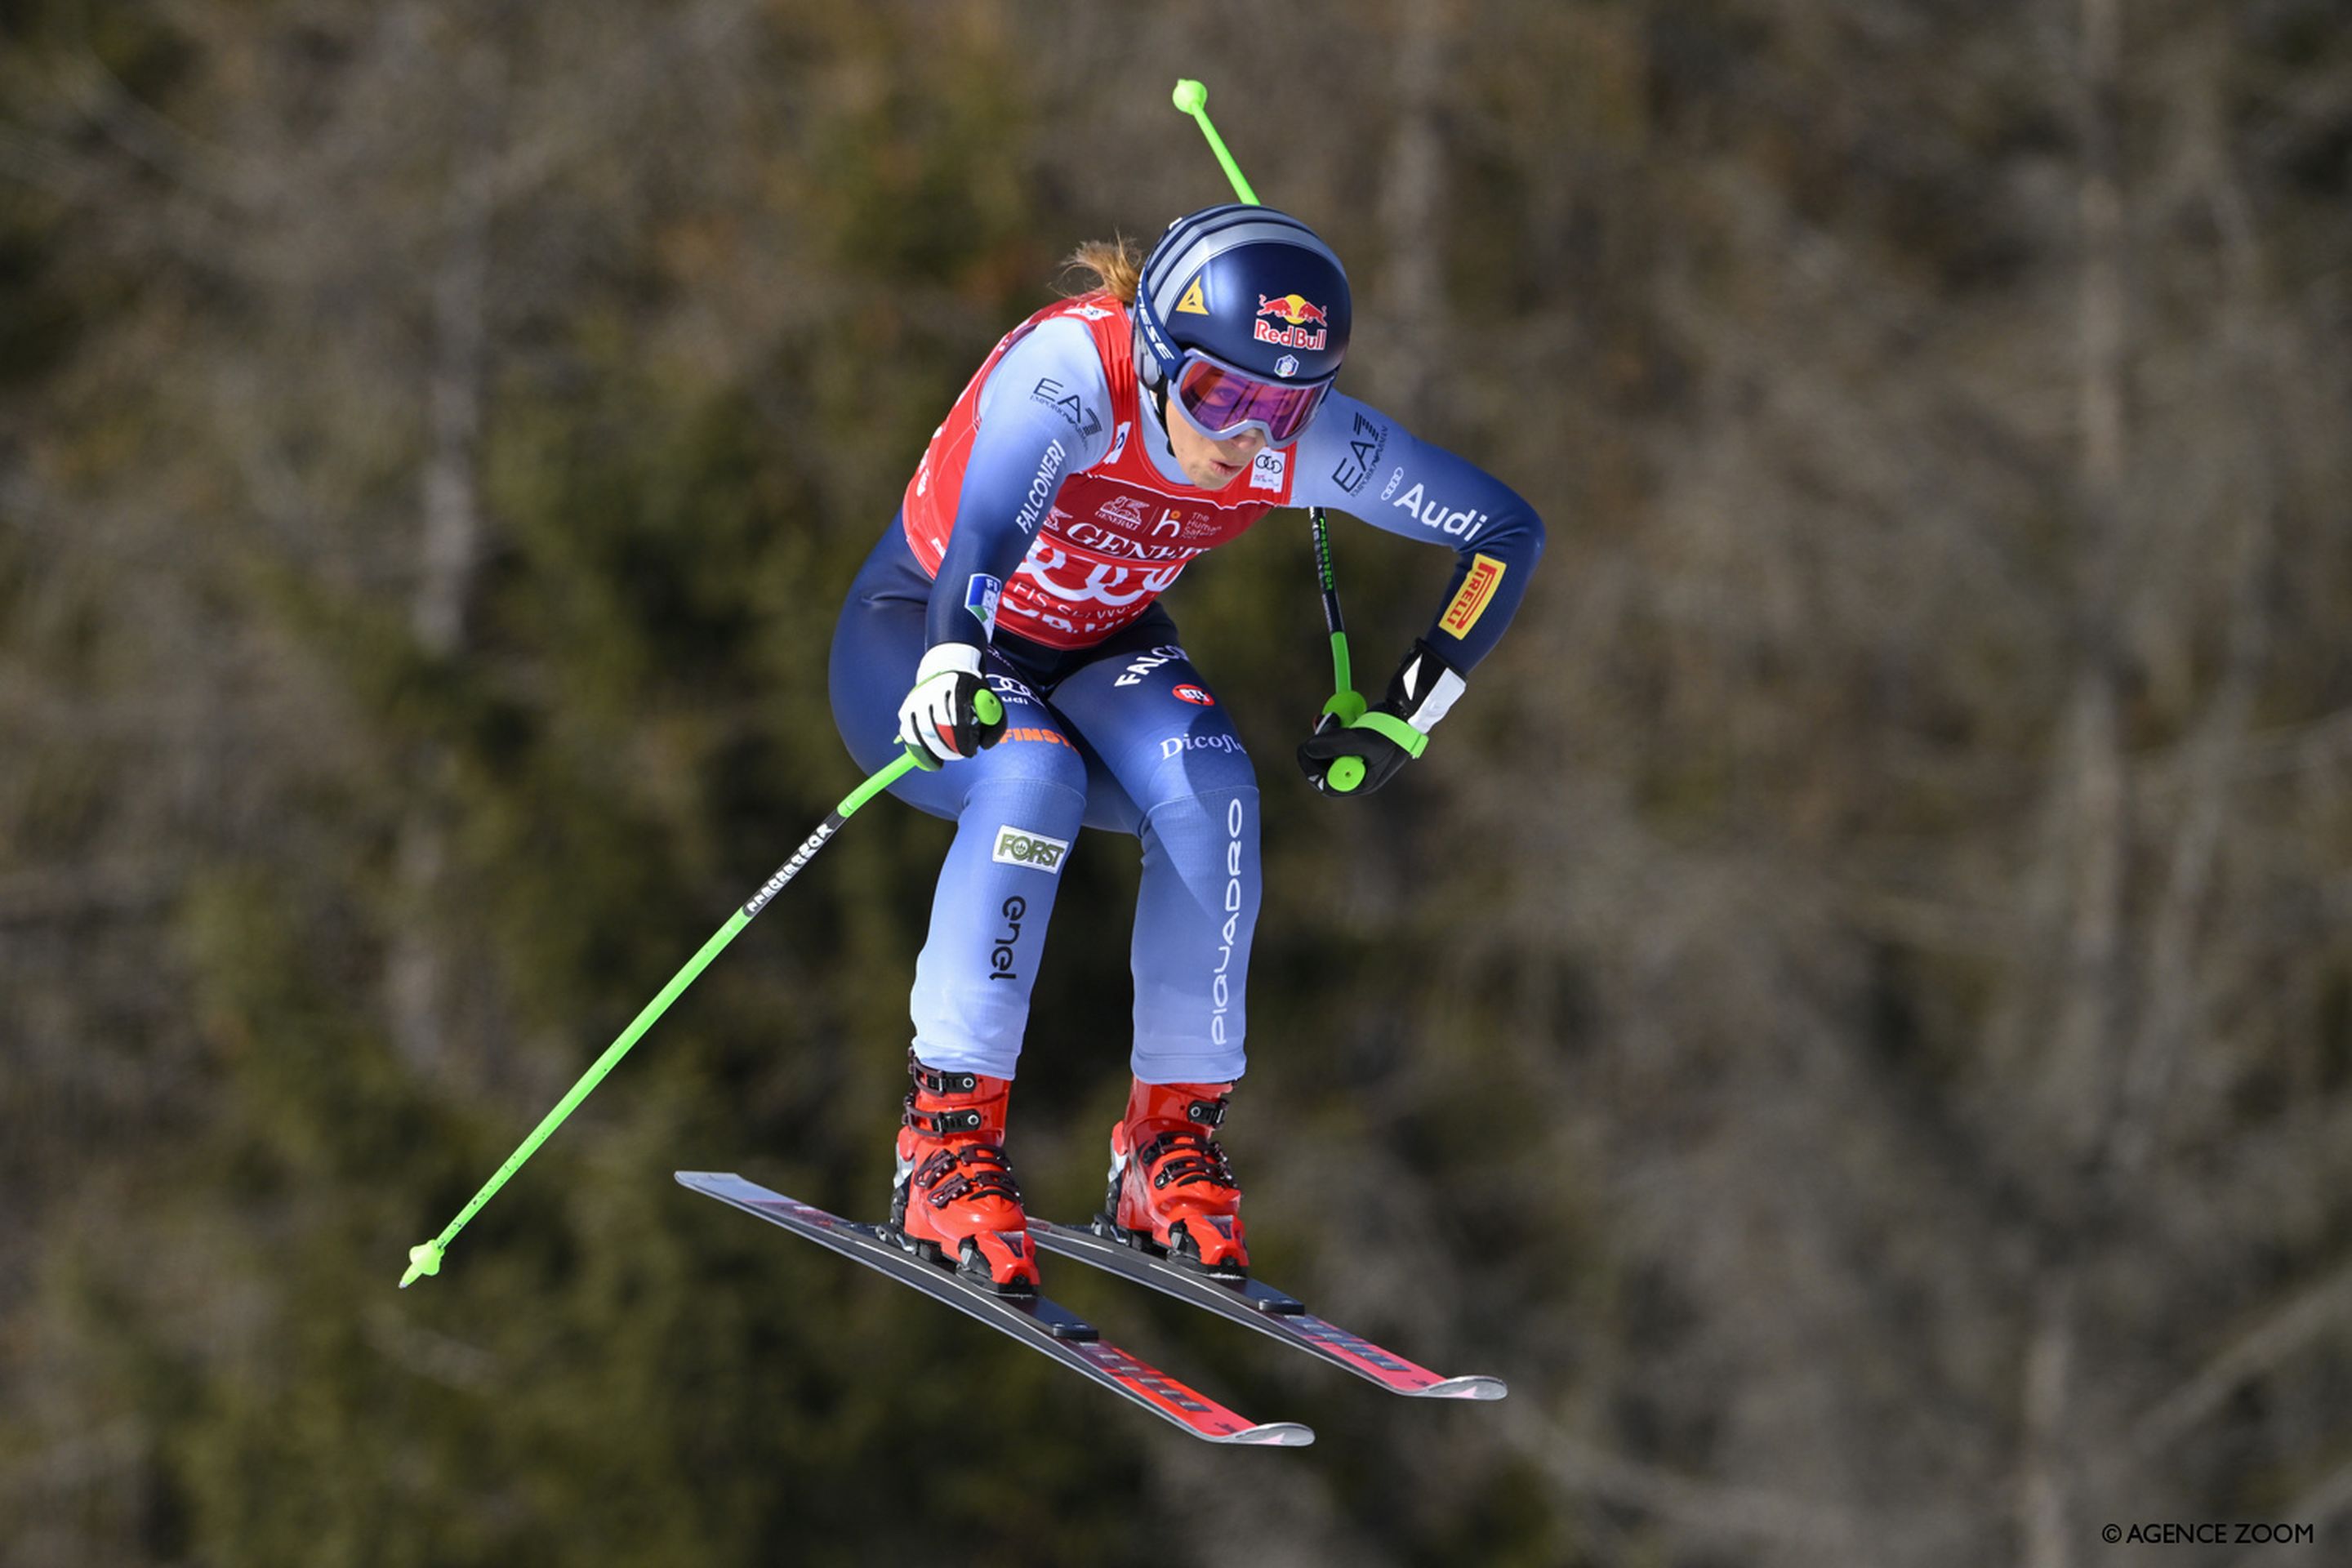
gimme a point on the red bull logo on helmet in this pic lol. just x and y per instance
(1298, 310)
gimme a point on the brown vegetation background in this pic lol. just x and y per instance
(1853, 1017)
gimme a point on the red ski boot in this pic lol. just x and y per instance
(1170, 1187)
(953, 1199)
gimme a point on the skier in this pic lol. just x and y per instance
(1105, 442)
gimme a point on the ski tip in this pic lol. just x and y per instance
(1273, 1435)
(1471, 1387)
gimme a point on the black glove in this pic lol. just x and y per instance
(938, 718)
(1386, 735)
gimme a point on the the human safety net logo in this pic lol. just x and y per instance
(1020, 847)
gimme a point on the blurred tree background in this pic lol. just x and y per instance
(1853, 1020)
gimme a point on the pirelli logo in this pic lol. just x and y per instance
(1471, 599)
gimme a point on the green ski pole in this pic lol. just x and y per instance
(1192, 99)
(425, 1257)
(1346, 773)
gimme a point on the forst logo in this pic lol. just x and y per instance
(1019, 846)
(1195, 696)
(1294, 309)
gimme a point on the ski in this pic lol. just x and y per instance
(1261, 1305)
(1040, 1324)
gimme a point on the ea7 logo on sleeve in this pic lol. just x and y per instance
(1063, 401)
(1471, 599)
(1366, 442)
(1019, 846)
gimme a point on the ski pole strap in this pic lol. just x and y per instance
(1412, 740)
(425, 1258)
(1346, 706)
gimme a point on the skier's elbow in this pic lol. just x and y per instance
(1520, 532)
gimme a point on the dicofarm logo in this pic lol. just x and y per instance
(1019, 846)
(1177, 745)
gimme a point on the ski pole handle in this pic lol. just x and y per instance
(425, 1257)
(1345, 772)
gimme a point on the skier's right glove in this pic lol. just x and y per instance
(1359, 752)
(937, 718)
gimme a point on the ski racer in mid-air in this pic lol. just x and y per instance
(1109, 440)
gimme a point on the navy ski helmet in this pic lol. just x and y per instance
(1250, 293)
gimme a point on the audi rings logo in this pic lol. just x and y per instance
(1019, 846)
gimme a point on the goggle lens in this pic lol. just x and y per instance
(1223, 402)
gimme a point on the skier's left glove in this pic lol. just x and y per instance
(1389, 733)
(939, 719)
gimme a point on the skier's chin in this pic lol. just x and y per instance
(1215, 474)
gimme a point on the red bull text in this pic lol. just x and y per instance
(1298, 310)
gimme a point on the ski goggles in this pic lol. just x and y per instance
(1220, 402)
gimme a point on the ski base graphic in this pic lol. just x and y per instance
(1261, 1305)
(1037, 1322)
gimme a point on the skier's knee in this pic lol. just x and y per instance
(1201, 770)
(1036, 758)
